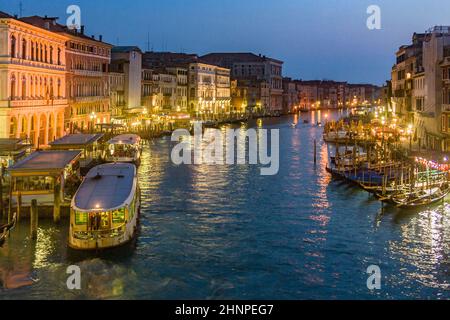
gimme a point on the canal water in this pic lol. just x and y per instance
(226, 232)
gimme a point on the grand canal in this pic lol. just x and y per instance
(226, 232)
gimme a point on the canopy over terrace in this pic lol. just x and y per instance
(12, 149)
(38, 175)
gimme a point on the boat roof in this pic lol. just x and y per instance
(125, 139)
(106, 187)
(77, 139)
(44, 161)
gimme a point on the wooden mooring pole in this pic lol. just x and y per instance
(34, 219)
(57, 204)
(19, 206)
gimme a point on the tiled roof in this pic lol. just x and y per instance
(45, 160)
(5, 15)
(226, 59)
(49, 23)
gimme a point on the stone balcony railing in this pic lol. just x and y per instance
(445, 62)
(446, 107)
(32, 103)
(89, 73)
(90, 99)
(32, 64)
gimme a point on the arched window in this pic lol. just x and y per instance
(13, 127)
(13, 87)
(51, 55)
(59, 56)
(32, 50)
(59, 88)
(24, 49)
(24, 88)
(13, 46)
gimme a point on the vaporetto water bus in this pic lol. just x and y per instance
(105, 210)
(124, 148)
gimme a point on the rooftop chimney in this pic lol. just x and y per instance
(100, 37)
(82, 30)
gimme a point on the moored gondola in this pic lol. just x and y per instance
(10, 225)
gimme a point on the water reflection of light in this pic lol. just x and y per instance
(45, 248)
(423, 246)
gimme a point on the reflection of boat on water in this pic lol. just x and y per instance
(105, 209)
(124, 148)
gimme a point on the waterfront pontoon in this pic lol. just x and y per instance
(104, 212)
(124, 148)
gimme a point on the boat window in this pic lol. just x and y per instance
(118, 216)
(80, 218)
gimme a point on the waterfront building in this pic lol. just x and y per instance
(87, 87)
(290, 96)
(116, 90)
(181, 73)
(128, 60)
(408, 64)
(209, 90)
(419, 87)
(250, 66)
(435, 45)
(88, 90)
(250, 95)
(321, 94)
(201, 87)
(32, 80)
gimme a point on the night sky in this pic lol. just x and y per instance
(317, 39)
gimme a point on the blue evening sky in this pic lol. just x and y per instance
(317, 39)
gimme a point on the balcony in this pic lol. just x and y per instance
(90, 99)
(32, 103)
(400, 93)
(445, 62)
(89, 73)
(32, 64)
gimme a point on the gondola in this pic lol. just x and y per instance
(421, 198)
(9, 226)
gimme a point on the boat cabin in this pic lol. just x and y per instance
(105, 208)
(124, 148)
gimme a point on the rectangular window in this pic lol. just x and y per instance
(118, 216)
(81, 218)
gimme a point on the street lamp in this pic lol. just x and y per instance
(93, 116)
(410, 127)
